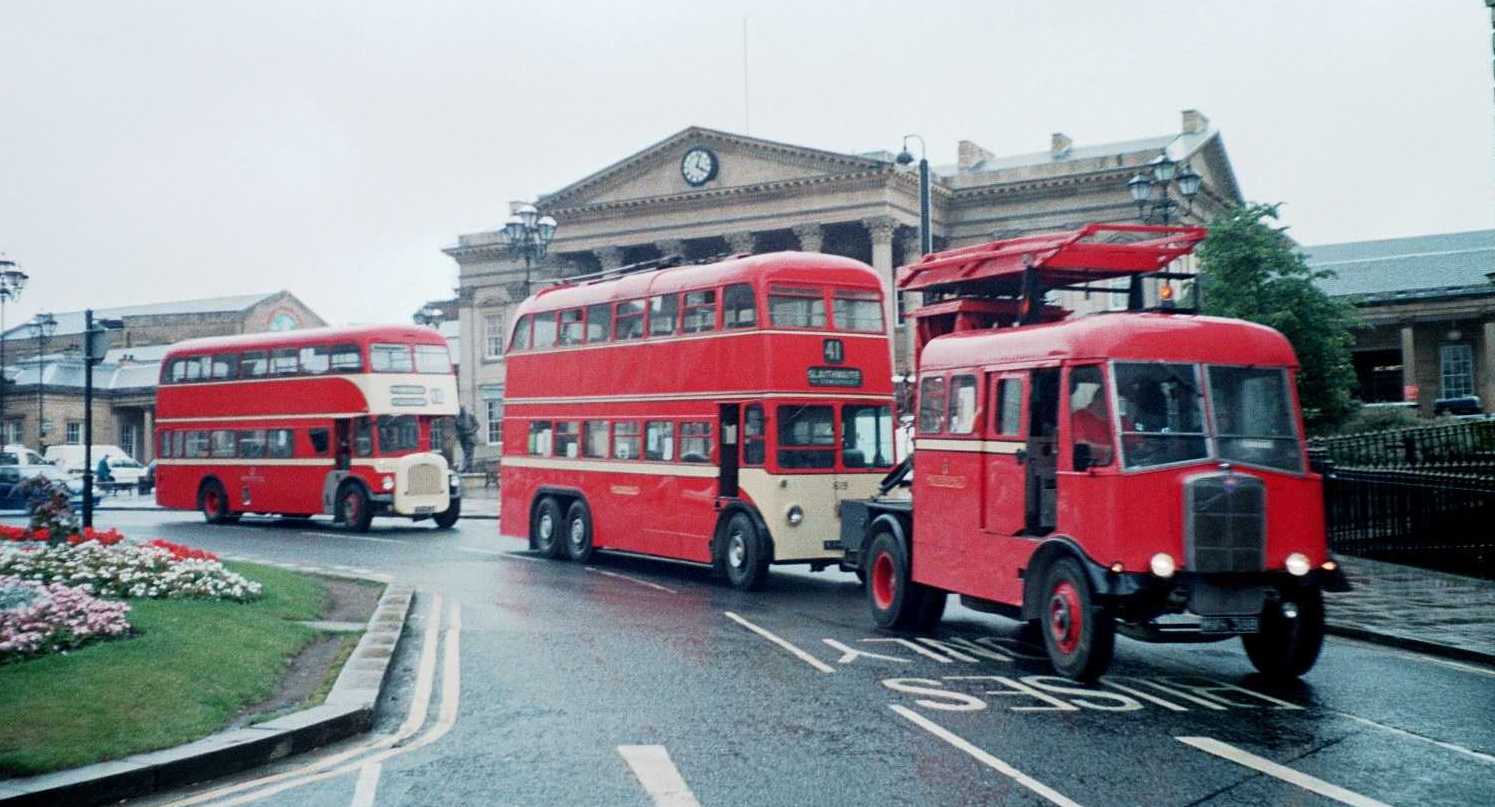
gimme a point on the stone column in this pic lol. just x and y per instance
(881, 229)
(909, 253)
(811, 237)
(609, 257)
(1409, 364)
(148, 436)
(670, 246)
(1485, 368)
(739, 243)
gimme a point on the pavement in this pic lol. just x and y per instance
(1418, 609)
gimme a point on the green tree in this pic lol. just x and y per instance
(1251, 270)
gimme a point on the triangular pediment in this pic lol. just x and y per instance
(742, 161)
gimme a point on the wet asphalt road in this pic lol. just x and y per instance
(560, 669)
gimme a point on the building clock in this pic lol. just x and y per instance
(698, 166)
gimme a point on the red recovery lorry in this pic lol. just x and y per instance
(1141, 471)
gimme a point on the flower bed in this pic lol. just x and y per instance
(108, 537)
(38, 618)
(121, 569)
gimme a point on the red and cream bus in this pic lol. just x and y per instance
(709, 413)
(340, 421)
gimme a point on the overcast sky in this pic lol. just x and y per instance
(152, 151)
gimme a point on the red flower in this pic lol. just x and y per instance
(181, 552)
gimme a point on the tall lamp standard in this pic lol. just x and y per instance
(12, 280)
(926, 237)
(1150, 189)
(44, 325)
(527, 234)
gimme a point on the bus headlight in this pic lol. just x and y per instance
(388, 483)
(1162, 565)
(1297, 564)
(795, 515)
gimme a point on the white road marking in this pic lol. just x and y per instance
(632, 579)
(983, 757)
(355, 537)
(782, 642)
(661, 779)
(1286, 774)
(368, 785)
(476, 551)
(1482, 757)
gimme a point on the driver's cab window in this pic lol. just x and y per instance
(363, 437)
(753, 435)
(1090, 432)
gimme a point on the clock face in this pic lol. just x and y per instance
(698, 166)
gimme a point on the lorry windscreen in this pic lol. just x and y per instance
(1162, 414)
(1253, 420)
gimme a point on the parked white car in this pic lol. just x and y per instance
(123, 468)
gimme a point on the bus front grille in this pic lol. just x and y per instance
(1225, 523)
(425, 480)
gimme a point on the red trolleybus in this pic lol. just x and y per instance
(708, 413)
(1137, 471)
(346, 421)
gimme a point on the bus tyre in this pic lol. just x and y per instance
(897, 602)
(212, 500)
(1079, 634)
(1287, 648)
(744, 556)
(578, 532)
(447, 518)
(353, 507)
(545, 530)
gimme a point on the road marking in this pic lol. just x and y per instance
(476, 551)
(661, 779)
(633, 579)
(1486, 758)
(355, 537)
(782, 642)
(983, 757)
(368, 785)
(1286, 774)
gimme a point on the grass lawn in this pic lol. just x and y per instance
(195, 665)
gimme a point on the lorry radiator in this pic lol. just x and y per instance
(1225, 523)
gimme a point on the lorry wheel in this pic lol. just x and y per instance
(1079, 634)
(213, 502)
(353, 507)
(447, 518)
(896, 601)
(545, 530)
(578, 532)
(1287, 648)
(744, 554)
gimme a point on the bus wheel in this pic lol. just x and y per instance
(353, 508)
(744, 557)
(578, 532)
(1080, 636)
(1287, 648)
(896, 600)
(213, 502)
(448, 517)
(545, 530)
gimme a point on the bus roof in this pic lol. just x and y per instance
(405, 334)
(788, 267)
(1122, 335)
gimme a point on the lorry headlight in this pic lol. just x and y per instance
(795, 515)
(1162, 565)
(388, 483)
(1297, 564)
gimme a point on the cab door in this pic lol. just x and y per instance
(1004, 454)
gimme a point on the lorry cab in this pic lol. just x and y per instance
(1141, 471)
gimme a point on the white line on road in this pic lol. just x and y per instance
(983, 757)
(355, 537)
(632, 579)
(782, 642)
(1482, 757)
(659, 776)
(1286, 774)
(368, 785)
(474, 550)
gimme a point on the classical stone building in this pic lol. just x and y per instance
(1427, 313)
(702, 192)
(44, 380)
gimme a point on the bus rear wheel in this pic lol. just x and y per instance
(897, 602)
(447, 518)
(1287, 648)
(545, 528)
(353, 508)
(212, 500)
(579, 532)
(744, 556)
(1078, 633)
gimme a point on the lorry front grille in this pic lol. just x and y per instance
(1225, 523)
(425, 480)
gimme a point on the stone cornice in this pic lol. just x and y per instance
(673, 201)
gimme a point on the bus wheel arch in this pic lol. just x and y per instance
(742, 547)
(353, 507)
(213, 502)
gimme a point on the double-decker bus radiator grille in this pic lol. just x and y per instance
(425, 480)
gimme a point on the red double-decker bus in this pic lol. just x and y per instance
(710, 413)
(340, 421)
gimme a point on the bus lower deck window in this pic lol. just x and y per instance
(223, 443)
(753, 438)
(363, 437)
(659, 440)
(567, 438)
(866, 436)
(626, 442)
(807, 437)
(539, 438)
(962, 404)
(596, 439)
(280, 443)
(398, 433)
(252, 444)
(932, 405)
(695, 442)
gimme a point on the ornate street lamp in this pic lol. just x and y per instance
(926, 237)
(1149, 188)
(12, 280)
(429, 315)
(527, 234)
(43, 326)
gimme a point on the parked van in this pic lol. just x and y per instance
(122, 466)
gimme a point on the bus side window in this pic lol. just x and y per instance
(1089, 418)
(1008, 412)
(163, 445)
(599, 322)
(695, 442)
(316, 360)
(284, 362)
(539, 438)
(521, 335)
(962, 404)
(662, 314)
(572, 327)
(626, 440)
(319, 441)
(223, 443)
(254, 364)
(194, 368)
(225, 366)
(595, 440)
(932, 405)
(738, 307)
(252, 444)
(346, 359)
(282, 443)
(700, 311)
(363, 437)
(630, 319)
(659, 440)
(753, 431)
(545, 330)
(567, 438)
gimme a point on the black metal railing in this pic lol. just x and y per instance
(1430, 519)
(1467, 447)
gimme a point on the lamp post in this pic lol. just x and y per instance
(429, 316)
(44, 326)
(12, 280)
(527, 234)
(926, 237)
(1149, 188)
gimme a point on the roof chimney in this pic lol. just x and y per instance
(1059, 144)
(1194, 122)
(971, 155)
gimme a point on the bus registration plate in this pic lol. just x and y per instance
(1229, 624)
(425, 509)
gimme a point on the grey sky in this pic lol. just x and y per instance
(154, 151)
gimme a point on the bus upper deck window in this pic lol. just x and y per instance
(662, 313)
(390, 359)
(225, 366)
(284, 361)
(857, 310)
(567, 438)
(521, 334)
(432, 359)
(571, 327)
(345, 359)
(796, 307)
(599, 322)
(700, 311)
(254, 364)
(315, 360)
(738, 307)
(626, 440)
(631, 319)
(539, 438)
(545, 330)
